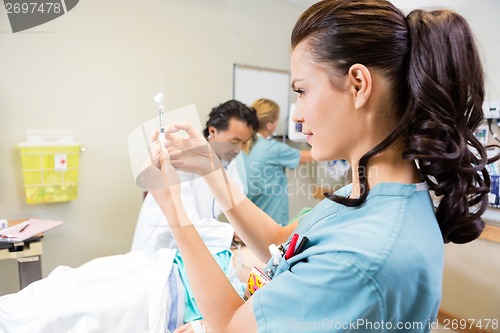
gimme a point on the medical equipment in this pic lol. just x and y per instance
(275, 254)
(160, 100)
(49, 161)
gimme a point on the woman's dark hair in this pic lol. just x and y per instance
(436, 77)
(220, 116)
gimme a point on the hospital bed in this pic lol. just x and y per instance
(136, 292)
(133, 292)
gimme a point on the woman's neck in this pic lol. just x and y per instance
(386, 167)
(265, 133)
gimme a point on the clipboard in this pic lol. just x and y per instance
(27, 229)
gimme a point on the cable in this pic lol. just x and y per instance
(491, 131)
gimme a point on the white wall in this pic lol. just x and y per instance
(471, 288)
(95, 71)
(483, 17)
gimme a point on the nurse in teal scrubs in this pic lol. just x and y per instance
(266, 160)
(398, 97)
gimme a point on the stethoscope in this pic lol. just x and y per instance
(213, 208)
(225, 164)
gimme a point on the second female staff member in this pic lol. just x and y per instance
(266, 160)
(380, 90)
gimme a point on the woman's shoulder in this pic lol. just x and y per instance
(370, 227)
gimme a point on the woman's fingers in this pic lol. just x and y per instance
(170, 132)
(176, 127)
(150, 176)
(188, 128)
(190, 153)
(155, 150)
(164, 156)
(175, 155)
(154, 136)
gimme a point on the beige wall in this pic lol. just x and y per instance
(95, 71)
(471, 281)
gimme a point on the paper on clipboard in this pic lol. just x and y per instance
(27, 229)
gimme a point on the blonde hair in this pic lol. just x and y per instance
(268, 111)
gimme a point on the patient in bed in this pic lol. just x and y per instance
(145, 290)
(134, 292)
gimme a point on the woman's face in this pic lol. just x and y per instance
(325, 111)
(272, 126)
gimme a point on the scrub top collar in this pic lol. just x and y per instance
(386, 188)
(267, 137)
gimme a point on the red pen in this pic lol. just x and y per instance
(291, 247)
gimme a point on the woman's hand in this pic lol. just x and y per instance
(157, 172)
(192, 154)
(160, 178)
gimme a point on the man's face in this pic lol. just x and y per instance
(228, 143)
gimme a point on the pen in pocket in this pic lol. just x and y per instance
(301, 245)
(291, 247)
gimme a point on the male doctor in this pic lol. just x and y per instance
(229, 126)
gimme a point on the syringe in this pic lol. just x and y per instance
(160, 99)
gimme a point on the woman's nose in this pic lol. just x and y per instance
(297, 115)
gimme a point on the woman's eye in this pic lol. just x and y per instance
(299, 92)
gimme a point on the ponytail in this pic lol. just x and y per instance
(446, 93)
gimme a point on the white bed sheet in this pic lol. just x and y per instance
(122, 293)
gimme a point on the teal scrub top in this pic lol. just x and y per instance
(266, 179)
(191, 310)
(373, 268)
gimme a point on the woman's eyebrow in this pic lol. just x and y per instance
(294, 82)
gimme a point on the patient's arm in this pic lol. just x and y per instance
(189, 327)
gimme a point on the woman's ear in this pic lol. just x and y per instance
(269, 126)
(361, 83)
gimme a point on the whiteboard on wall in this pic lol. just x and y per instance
(251, 83)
